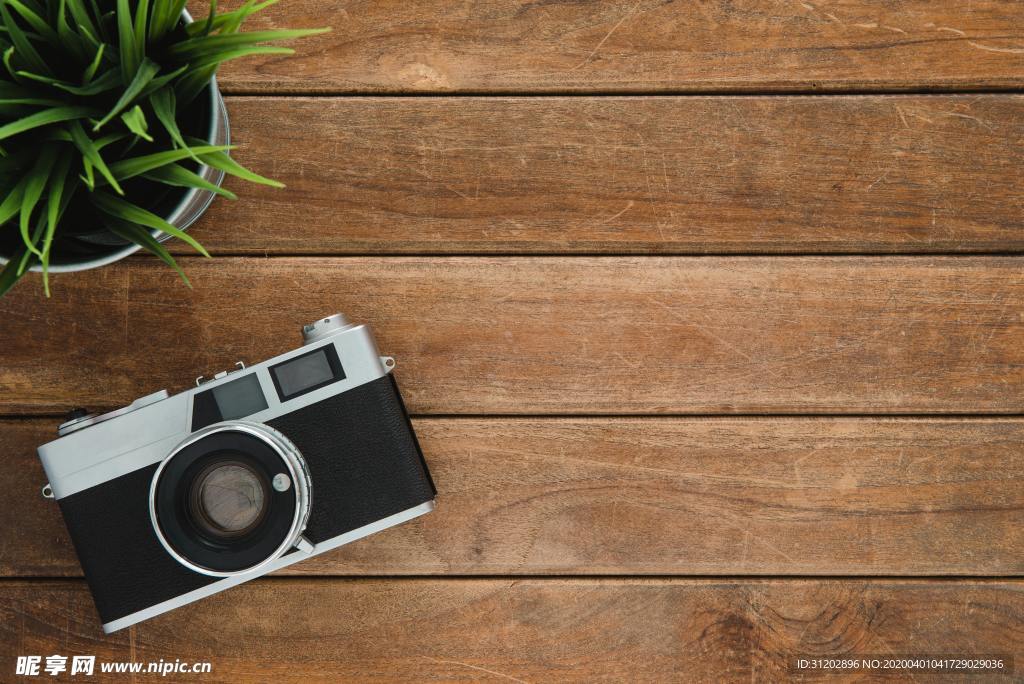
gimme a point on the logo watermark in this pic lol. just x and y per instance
(53, 665)
(904, 664)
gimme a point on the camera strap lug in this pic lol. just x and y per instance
(388, 363)
(47, 491)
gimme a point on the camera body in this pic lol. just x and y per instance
(174, 498)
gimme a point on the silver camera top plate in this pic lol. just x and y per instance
(95, 449)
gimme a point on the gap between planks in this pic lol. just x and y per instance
(592, 580)
(582, 94)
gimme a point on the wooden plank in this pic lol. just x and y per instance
(647, 45)
(549, 335)
(655, 496)
(526, 630)
(625, 175)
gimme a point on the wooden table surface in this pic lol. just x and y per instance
(710, 316)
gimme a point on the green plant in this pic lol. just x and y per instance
(94, 96)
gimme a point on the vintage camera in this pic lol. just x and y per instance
(175, 498)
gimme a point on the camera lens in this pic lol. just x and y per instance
(231, 498)
(228, 499)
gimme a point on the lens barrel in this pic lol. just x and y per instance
(214, 506)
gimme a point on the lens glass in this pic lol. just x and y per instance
(228, 499)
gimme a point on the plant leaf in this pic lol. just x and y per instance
(179, 176)
(12, 203)
(159, 82)
(63, 134)
(109, 139)
(89, 178)
(88, 37)
(191, 84)
(213, 13)
(12, 94)
(67, 37)
(136, 166)
(141, 19)
(32, 101)
(35, 183)
(108, 81)
(143, 75)
(229, 21)
(38, 24)
(218, 58)
(203, 45)
(10, 275)
(126, 42)
(54, 196)
(9, 63)
(102, 19)
(21, 43)
(163, 105)
(28, 257)
(203, 69)
(141, 237)
(82, 19)
(126, 211)
(90, 71)
(135, 120)
(168, 19)
(233, 20)
(43, 118)
(91, 154)
(220, 160)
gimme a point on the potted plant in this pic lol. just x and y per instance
(113, 134)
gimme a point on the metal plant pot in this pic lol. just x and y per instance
(180, 207)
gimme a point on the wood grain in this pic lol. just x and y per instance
(654, 496)
(625, 175)
(546, 498)
(529, 630)
(548, 335)
(641, 46)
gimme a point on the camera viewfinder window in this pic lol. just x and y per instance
(239, 398)
(306, 373)
(230, 401)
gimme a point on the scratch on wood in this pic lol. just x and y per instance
(918, 115)
(475, 667)
(703, 330)
(611, 218)
(981, 46)
(608, 35)
(902, 117)
(992, 48)
(968, 117)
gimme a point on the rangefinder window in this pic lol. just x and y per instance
(230, 401)
(306, 373)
